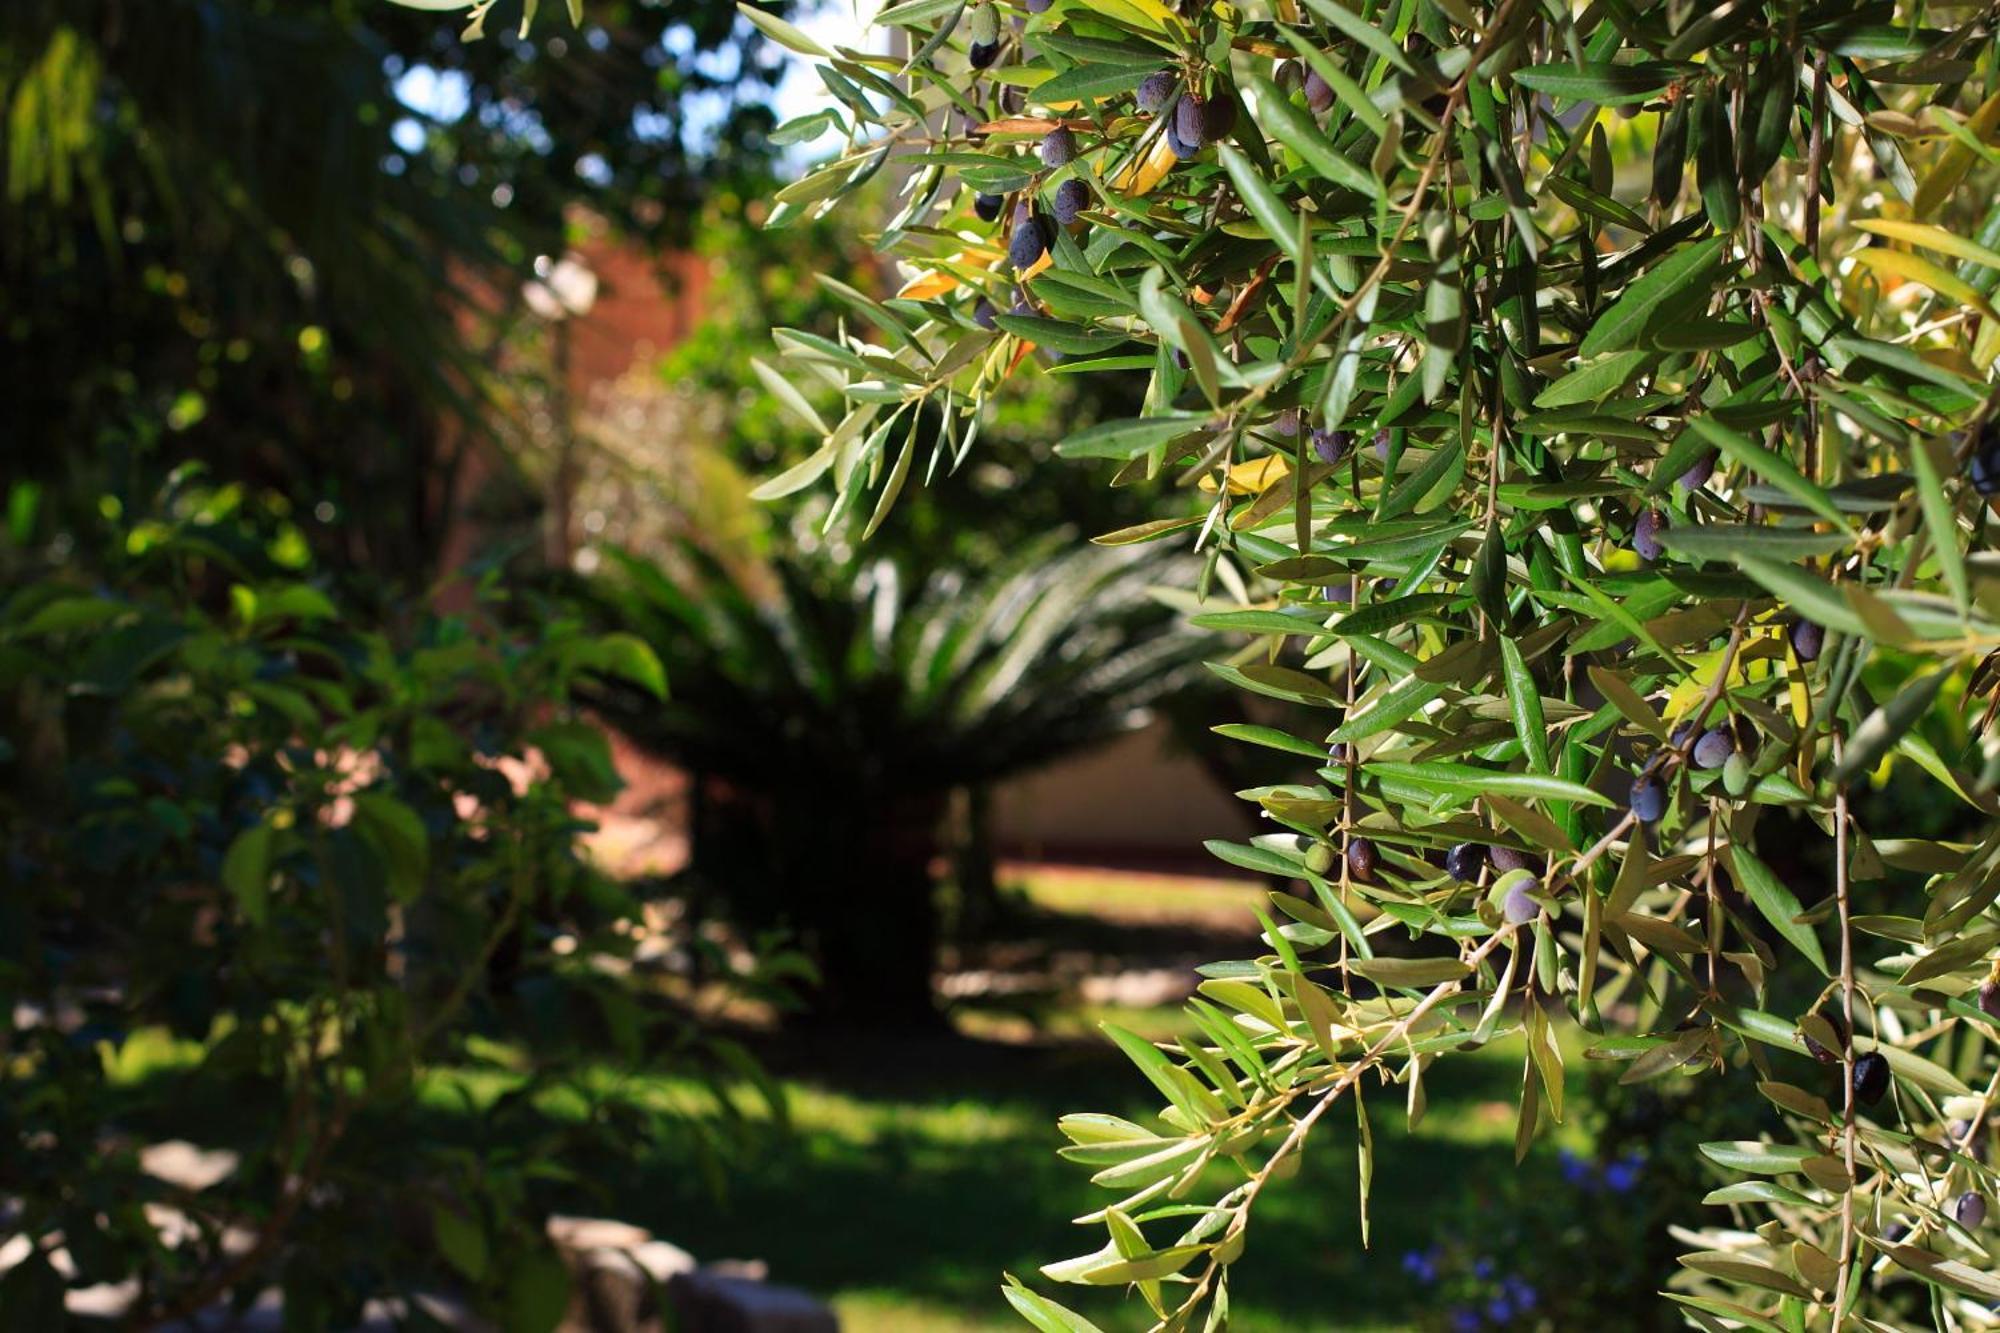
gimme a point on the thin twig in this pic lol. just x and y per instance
(1842, 902)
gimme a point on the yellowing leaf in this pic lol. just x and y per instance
(926, 285)
(1956, 159)
(1931, 238)
(1145, 13)
(1903, 264)
(1143, 177)
(1253, 477)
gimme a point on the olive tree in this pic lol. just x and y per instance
(1586, 409)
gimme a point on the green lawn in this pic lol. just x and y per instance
(917, 1170)
(906, 1197)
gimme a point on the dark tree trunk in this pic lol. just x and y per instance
(972, 864)
(873, 918)
(849, 875)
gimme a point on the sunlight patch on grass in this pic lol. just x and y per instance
(1136, 896)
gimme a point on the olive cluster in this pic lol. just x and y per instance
(1516, 896)
(1187, 121)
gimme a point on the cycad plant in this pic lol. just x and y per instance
(827, 715)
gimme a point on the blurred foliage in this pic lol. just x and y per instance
(1002, 495)
(827, 707)
(221, 215)
(324, 856)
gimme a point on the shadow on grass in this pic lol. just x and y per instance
(918, 1171)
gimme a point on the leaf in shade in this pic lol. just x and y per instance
(1880, 730)
(1628, 701)
(1525, 702)
(1088, 81)
(1595, 380)
(1808, 594)
(1410, 973)
(1362, 31)
(1599, 81)
(1129, 437)
(1058, 334)
(1725, 541)
(1715, 161)
(1930, 459)
(1773, 468)
(246, 871)
(1779, 905)
(1679, 274)
(1297, 131)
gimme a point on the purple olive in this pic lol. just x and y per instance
(982, 315)
(1970, 1209)
(1649, 800)
(1506, 858)
(1519, 906)
(1072, 197)
(1190, 115)
(983, 54)
(1031, 239)
(1964, 1136)
(1182, 149)
(1361, 859)
(1984, 466)
(1218, 118)
(1984, 470)
(1464, 862)
(1646, 534)
(1155, 91)
(1331, 445)
(1697, 476)
(1338, 592)
(1989, 998)
(1319, 93)
(1807, 639)
(1819, 1052)
(1339, 753)
(1059, 147)
(1039, 6)
(1714, 748)
(987, 206)
(1382, 444)
(1871, 1078)
(1287, 423)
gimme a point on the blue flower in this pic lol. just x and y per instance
(1621, 1175)
(1499, 1311)
(1421, 1266)
(1575, 1170)
(1519, 1292)
(1463, 1321)
(1482, 1268)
